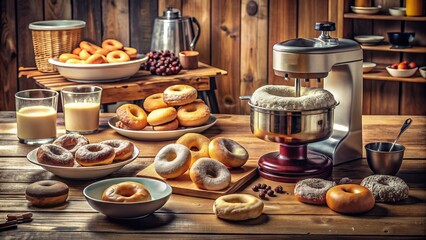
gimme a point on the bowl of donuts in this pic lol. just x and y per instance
(164, 116)
(72, 156)
(89, 63)
(127, 198)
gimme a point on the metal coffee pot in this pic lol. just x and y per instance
(174, 33)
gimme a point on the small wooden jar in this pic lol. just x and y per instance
(189, 59)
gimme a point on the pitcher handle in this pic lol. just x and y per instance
(197, 35)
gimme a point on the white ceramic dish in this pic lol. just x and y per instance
(397, 11)
(98, 73)
(160, 192)
(369, 39)
(365, 10)
(149, 134)
(401, 73)
(368, 66)
(82, 173)
(422, 71)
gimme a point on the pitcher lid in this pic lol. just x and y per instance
(172, 13)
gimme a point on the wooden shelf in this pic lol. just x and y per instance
(380, 73)
(387, 47)
(383, 17)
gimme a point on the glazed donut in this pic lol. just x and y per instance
(193, 114)
(386, 188)
(349, 199)
(89, 47)
(71, 142)
(133, 116)
(65, 56)
(173, 125)
(102, 51)
(238, 207)
(76, 51)
(172, 160)
(178, 95)
(197, 144)
(123, 149)
(209, 174)
(132, 52)
(161, 116)
(228, 151)
(75, 61)
(280, 97)
(94, 154)
(117, 56)
(84, 54)
(95, 59)
(312, 190)
(47, 193)
(153, 102)
(112, 44)
(55, 155)
(126, 192)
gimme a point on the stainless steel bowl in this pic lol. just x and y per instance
(381, 161)
(291, 127)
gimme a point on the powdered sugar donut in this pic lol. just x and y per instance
(210, 174)
(172, 160)
(279, 98)
(386, 188)
(312, 190)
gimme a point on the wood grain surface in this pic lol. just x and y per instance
(185, 217)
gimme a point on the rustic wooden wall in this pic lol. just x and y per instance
(231, 38)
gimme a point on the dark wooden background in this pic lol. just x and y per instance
(231, 39)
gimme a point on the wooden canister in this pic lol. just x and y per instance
(362, 3)
(414, 8)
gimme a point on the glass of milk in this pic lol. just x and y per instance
(81, 105)
(36, 111)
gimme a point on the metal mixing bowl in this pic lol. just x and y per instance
(381, 161)
(291, 127)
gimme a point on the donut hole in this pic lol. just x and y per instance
(171, 156)
(175, 89)
(191, 109)
(56, 151)
(46, 184)
(134, 112)
(94, 148)
(318, 185)
(235, 200)
(70, 143)
(211, 174)
(194, 148)
(125, 192)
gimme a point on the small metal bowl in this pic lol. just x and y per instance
(381, 161)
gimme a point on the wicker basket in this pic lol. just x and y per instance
(52, 38)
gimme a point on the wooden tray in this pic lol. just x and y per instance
(184, 186)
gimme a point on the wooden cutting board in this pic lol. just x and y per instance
(184, 186)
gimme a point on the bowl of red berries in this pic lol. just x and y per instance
(402, 69)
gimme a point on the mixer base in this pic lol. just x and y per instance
(294, 163)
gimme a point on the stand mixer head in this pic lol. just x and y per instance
(334, 133)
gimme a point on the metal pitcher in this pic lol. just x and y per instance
(174, 33)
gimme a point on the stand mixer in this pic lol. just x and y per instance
(334, 133)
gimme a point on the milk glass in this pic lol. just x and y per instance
(81, 105)
(36, 112)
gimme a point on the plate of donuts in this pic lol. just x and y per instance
(149, 134)
(98, 72)
(79, 172)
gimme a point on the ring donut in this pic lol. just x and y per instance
(102, 51)
(180, 94)
(55, 155)
(173, 125)
(95, 59)
(71, 142)
(84, 54)
(238, 207)
(161, 116)
(193, 114)
(117, 56)
(153, 102)
(350, 199)
(197, 144)
(76, 51)
(126, 192)
(47, 193)
(112, 44)
(312, 190)
(172, 160)
(279, 98)
(89, 47)
(209, 174)
(64, 57)
(228, 151)
(132, 116)
(94, 154)
(75, 61)
(123, 149)
(386, 188)
(132, 52)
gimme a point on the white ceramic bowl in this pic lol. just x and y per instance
(401, 73)
(365, 10)
(98, 73)
(369, 39)
(82, 173)
(368, 66)
(397, 11)
(149, 134)
(159, 190)
(422, 71)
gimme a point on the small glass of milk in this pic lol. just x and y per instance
(81, 105)
(36, 111)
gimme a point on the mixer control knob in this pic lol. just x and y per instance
(325, 26)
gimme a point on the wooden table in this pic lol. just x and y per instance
(139, 86)
(192, 218)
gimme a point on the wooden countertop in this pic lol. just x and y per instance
(192, 218)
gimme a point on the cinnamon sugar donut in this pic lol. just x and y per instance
(123, 149)
(94, 154)
(209, 174)
(55, 155)
(172, 161)
(71, 142)
(132, 116)
(386, 188)
(312, 190)
(282, 98)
